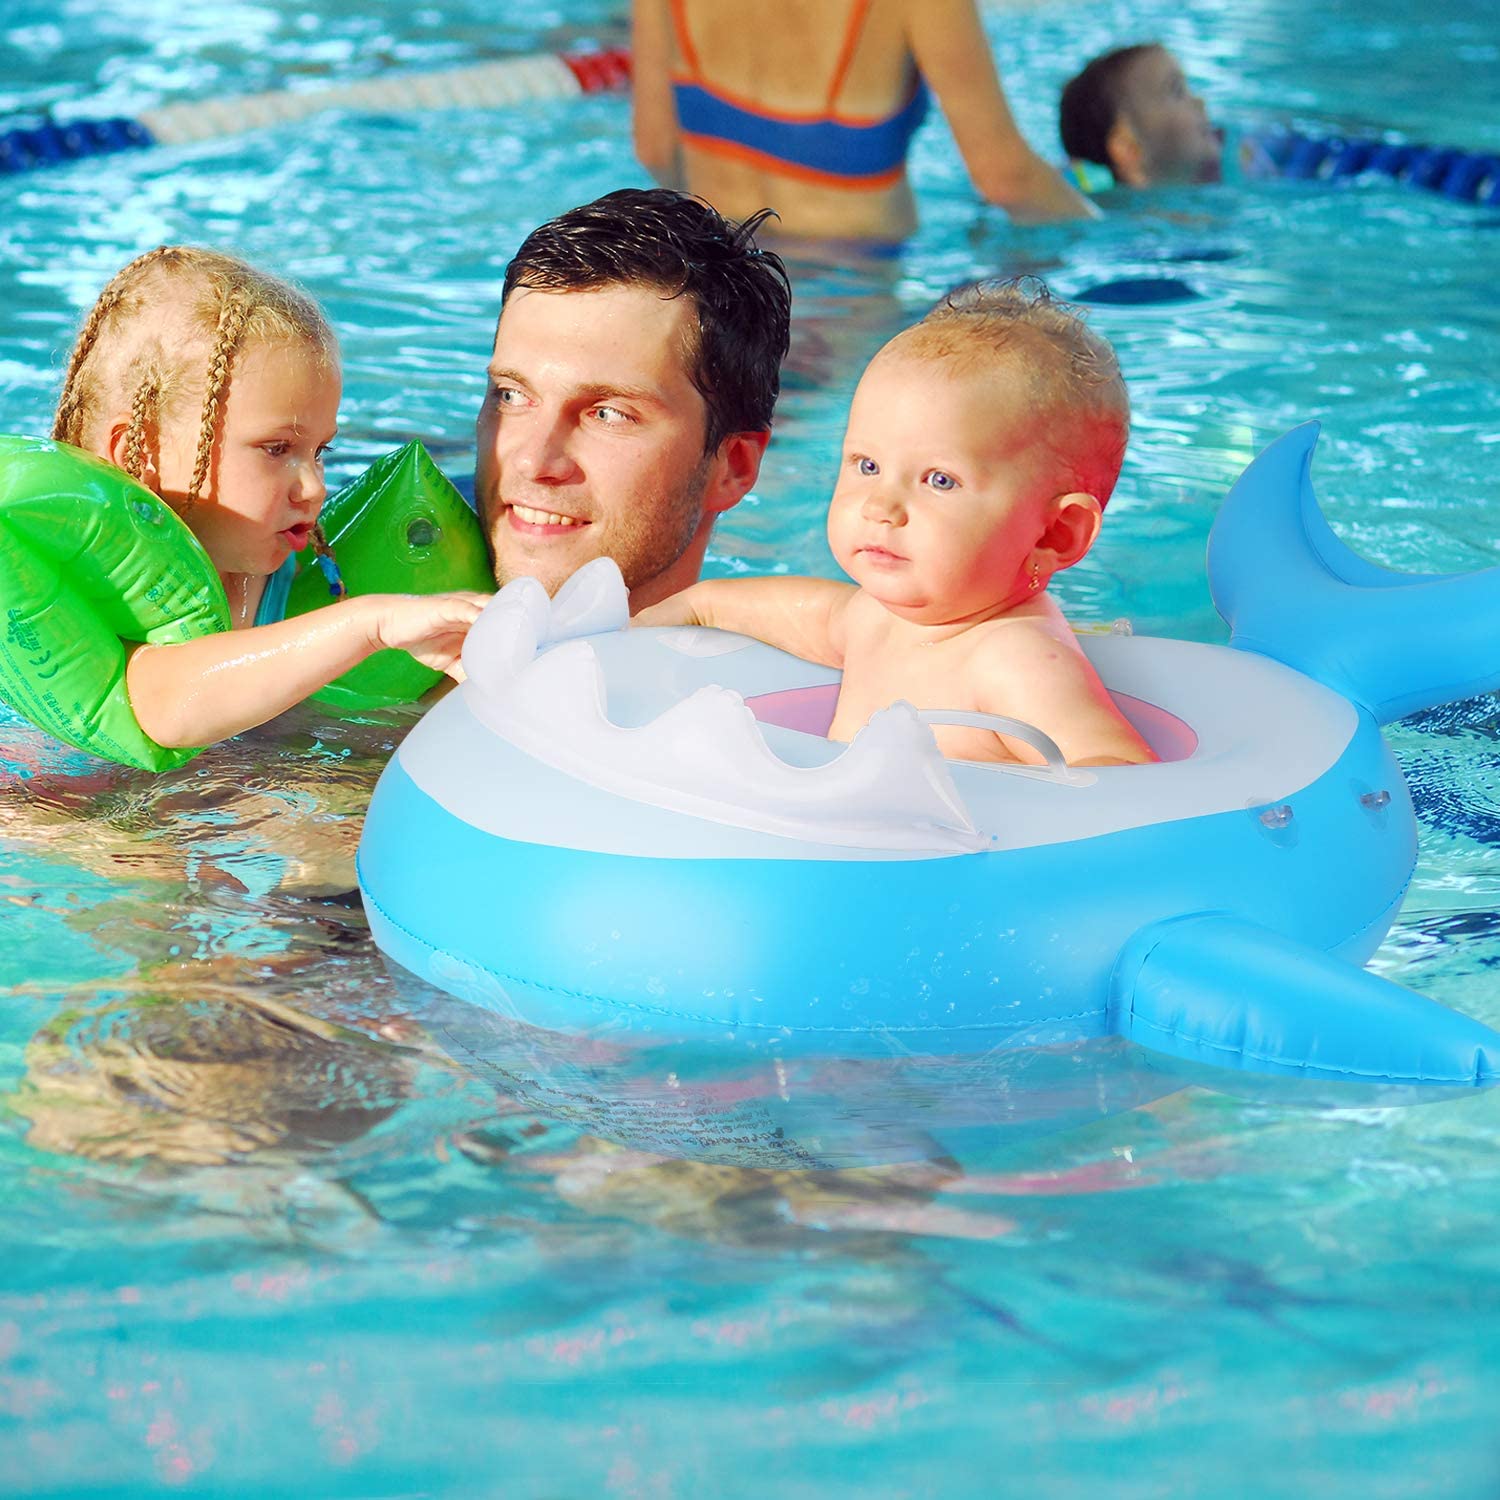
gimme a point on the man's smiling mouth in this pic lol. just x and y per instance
(533, 517)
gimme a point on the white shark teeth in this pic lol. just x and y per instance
(594, 601)
(504, 639)
(705, 755)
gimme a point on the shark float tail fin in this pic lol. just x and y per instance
(1214, 989)
(1393, 643)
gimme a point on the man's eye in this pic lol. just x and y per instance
(506, 395)
(939, 480)
(867, 466)
(611, 416)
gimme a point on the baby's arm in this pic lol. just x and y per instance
(218, 685)
(1051, 684)
(804, 616)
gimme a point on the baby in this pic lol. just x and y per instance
(981, 448)
(217, 387)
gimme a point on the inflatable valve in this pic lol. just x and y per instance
(399, 528)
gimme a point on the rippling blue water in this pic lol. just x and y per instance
(273, 1225)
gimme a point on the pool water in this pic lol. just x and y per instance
(276, 1223)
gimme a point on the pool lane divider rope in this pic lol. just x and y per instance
(489, 85)
(1467, 176)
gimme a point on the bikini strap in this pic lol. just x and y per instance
(846, 55)
(684, 41)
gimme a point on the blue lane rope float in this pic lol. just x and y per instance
(1468, 176)
(48, 142)
(40, 141)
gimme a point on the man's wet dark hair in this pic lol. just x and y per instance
(1090, 103)
(654, 237)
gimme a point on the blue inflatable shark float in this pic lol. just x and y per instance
(646, 831)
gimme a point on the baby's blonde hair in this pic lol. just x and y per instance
(1081, 406)
(173, 310)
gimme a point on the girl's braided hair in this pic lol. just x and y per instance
(167, 310)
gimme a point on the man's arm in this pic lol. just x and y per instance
(804, 616)
(953, 54)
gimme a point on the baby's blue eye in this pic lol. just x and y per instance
(941, 481)
(868, 466)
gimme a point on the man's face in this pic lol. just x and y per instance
(590, 440)
(1177, 142)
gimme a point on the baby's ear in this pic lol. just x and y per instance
(1076, 518)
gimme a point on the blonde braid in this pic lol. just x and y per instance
(71, 401)
(232, 317)
(144, 410)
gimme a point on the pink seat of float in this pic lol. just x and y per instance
(809, 710)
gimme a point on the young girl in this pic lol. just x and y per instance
(217, 386)
(982, 446)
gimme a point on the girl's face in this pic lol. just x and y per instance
(279, 413)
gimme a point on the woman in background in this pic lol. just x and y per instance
(810, 106)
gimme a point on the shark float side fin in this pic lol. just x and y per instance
(1393, 643)
(1210, 988)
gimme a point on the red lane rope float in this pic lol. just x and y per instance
(488, 85)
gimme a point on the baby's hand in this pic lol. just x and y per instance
(676, 609)
(431, 627)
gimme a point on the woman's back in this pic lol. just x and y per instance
(798, 63)
(808, 105)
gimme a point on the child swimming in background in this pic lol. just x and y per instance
(982, 446)
(1132, 111)
(217, 387)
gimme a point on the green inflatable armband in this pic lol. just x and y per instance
(91, 564)
(399, 528)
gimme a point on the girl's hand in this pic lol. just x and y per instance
(431, 627)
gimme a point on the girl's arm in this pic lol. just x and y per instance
(953, 55)
(805, 616)
(653, 112)
(204, 690)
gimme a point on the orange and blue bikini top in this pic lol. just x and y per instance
(824, 148)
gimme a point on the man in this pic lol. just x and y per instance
(635, 370)
(1132, 111)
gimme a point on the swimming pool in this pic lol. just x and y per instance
(274, 1225)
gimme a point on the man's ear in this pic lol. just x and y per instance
(1075, 523)
(1127, 157)
(733, 470)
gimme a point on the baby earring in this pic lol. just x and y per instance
(1036, 576)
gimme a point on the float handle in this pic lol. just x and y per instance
(1029, 734)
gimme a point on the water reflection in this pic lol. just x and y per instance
(733, 1104)
(202, 1077)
